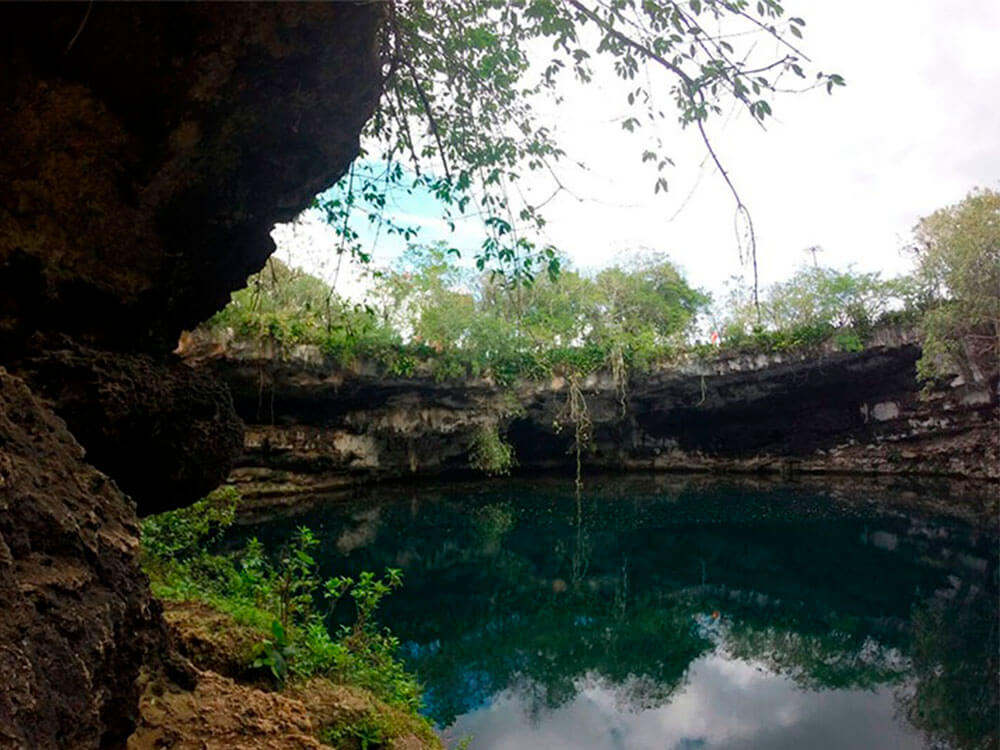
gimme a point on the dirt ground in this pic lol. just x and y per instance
(221, 713)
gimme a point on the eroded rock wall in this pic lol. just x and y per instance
(166, 433)
(76, 616)
(146, 150)
(314, 427)
(150, 147)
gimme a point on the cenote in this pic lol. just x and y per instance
(675, 612)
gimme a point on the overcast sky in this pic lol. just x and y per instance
(916, 127)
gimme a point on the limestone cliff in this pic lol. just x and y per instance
(311, 425)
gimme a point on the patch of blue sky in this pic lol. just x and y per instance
(409, 204)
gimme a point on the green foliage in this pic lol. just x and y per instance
(817, 305)
(286, 587)
(283, 306)
(956, 694)
(180, 534)
(848, 341)
(957, 284)
(648, 297)
(281, 596)
(276, 653)
(370, 731)
(359, 654)
(824, 296)
(954, 296)
(377, 727)
(490, 453)
(437, 318)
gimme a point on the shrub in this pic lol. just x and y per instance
(490, 453)
(958, 288)
(179, 534)
(282, 596)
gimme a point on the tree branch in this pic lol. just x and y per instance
(431, 119)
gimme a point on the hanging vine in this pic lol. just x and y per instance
(490, 453)
(580, 560)
(619, 373)
(577, 413)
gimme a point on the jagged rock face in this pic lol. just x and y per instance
(165, 432)
(149, 148)
(146, 151)
(76, 616)
(312, 427)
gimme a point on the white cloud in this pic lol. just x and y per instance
(310, 243)
(727, 704)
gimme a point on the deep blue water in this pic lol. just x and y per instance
(676, 613)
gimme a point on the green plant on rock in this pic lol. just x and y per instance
(280, 597)
(276, 653)
(182, 533)
(378, 727)
(368, 732)
(848, 341)
(367, 591)
(302, 643)
(295, 580)
(490, 453)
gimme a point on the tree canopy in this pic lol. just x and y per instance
(958, 279)
(817, 302)
(426, 308)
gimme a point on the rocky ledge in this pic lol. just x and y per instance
(312, 426)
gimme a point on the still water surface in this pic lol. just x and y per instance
(677, 614)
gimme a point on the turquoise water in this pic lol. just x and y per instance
(677, 613)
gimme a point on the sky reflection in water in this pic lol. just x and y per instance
(676, 614)
(727, 704)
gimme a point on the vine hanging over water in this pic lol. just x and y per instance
(619, 373)
(577, 413)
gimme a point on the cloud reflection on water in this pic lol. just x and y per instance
(726, 704)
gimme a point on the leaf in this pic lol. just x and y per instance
(278, 630)
(304, 557)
